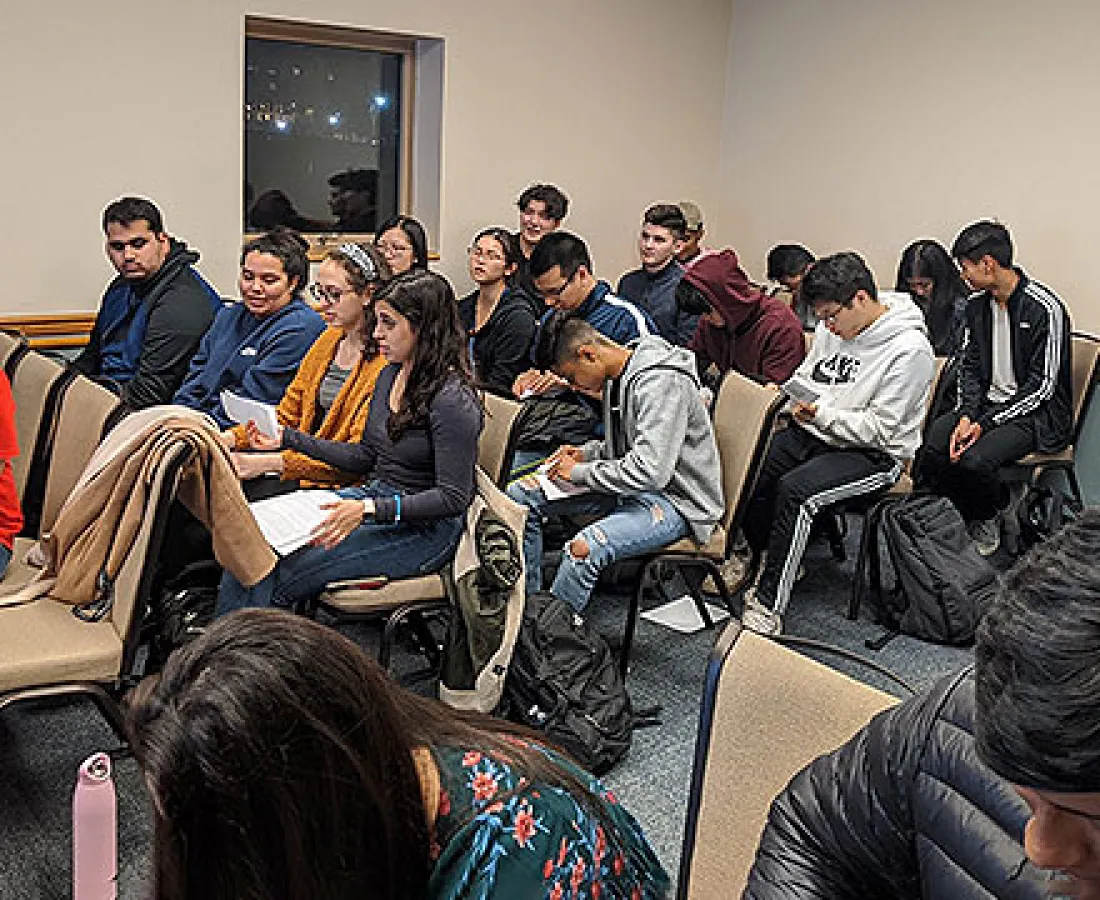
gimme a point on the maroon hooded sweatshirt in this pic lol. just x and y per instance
(760, 336)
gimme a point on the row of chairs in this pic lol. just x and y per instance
(46, 650)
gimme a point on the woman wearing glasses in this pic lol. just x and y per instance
(330, 395)
(403, 243)
(415, 461)
(497, 316)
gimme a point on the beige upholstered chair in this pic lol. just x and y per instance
(35, 387)
(13, 347)
(396, 601)
(1085, 373)
(497, 442)
(85, 411)
(744, 418)
(767, 711)
(46, 650)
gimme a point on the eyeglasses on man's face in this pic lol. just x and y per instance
(547, 293)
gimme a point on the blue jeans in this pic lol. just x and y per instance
(394, 550)
(5, 560)
(630, 526)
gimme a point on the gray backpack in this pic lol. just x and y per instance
(943, 583)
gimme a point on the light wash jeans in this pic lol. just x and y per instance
(630, 526)
(395, 550)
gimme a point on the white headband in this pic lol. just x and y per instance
(362, 259)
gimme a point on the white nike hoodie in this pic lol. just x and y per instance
(873, 387)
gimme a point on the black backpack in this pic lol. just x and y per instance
(943, 583)
(563, 680)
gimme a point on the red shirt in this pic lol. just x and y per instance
(11, 516)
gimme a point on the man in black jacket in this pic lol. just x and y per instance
(967, 792)
(152, 315)
(1015, 392)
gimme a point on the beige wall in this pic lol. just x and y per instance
(108, 97)
(865, 124)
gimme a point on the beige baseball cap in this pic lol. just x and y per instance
(692, 215)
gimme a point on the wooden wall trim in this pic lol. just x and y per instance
(55, 331)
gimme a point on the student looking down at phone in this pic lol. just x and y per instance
(871, 365)
(654, 477)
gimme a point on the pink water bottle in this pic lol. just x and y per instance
(95, 831)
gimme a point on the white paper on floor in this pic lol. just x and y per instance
(682, 615)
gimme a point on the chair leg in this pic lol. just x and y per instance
(650, 574)
(860, 580)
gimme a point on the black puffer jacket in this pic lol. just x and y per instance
(904, 809)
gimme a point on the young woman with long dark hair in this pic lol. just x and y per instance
(927, 272)
(284, 763)
(497, 316)
(417, 457)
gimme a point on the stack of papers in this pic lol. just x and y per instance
(242, 411)
(556, 488)
(287, 521)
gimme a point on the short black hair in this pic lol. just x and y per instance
(127, 210)
(667, 215)
(1038, 666)
(787, 261)
(557, 204)
(986, 238)
(290, 248)
(562, 249)
(560, 336)
(837, 279)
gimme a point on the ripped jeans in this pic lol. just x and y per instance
(630, 526)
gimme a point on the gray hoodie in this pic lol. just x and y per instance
(663, 442)
(874, 387)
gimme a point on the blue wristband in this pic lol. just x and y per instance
(397, 505)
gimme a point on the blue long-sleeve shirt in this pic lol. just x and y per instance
(253, 357)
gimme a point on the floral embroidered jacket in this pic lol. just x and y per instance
(498, 836)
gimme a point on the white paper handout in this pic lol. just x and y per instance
(800, 390)
(557, 488)
(287, 521)
(242, 410)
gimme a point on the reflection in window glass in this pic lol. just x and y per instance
(321, 136)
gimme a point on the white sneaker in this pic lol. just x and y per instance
(986, 534)
(757, 617)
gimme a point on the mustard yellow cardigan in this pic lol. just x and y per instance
(345, 421)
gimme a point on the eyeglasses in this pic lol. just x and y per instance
(557, 292)
(326, 295)
(389, 249)
(488, 255)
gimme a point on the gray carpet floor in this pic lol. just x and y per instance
(43, 744)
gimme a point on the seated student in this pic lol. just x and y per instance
(255, 347)
(1015, 394)
(925, 801)
(11, 514)
(653, 286)
(694, 234)
(330, 395)
(541, 210)
(928, 274)
(562, 271)
(497, 317)
(787, 264)
(743, 329)
(871, 366)
(417, 455)
(155, 312)
(654, 478)
(403, 243)
(283, 762)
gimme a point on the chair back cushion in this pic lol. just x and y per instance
(767, 712)
(494, 448)
(30, 388)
